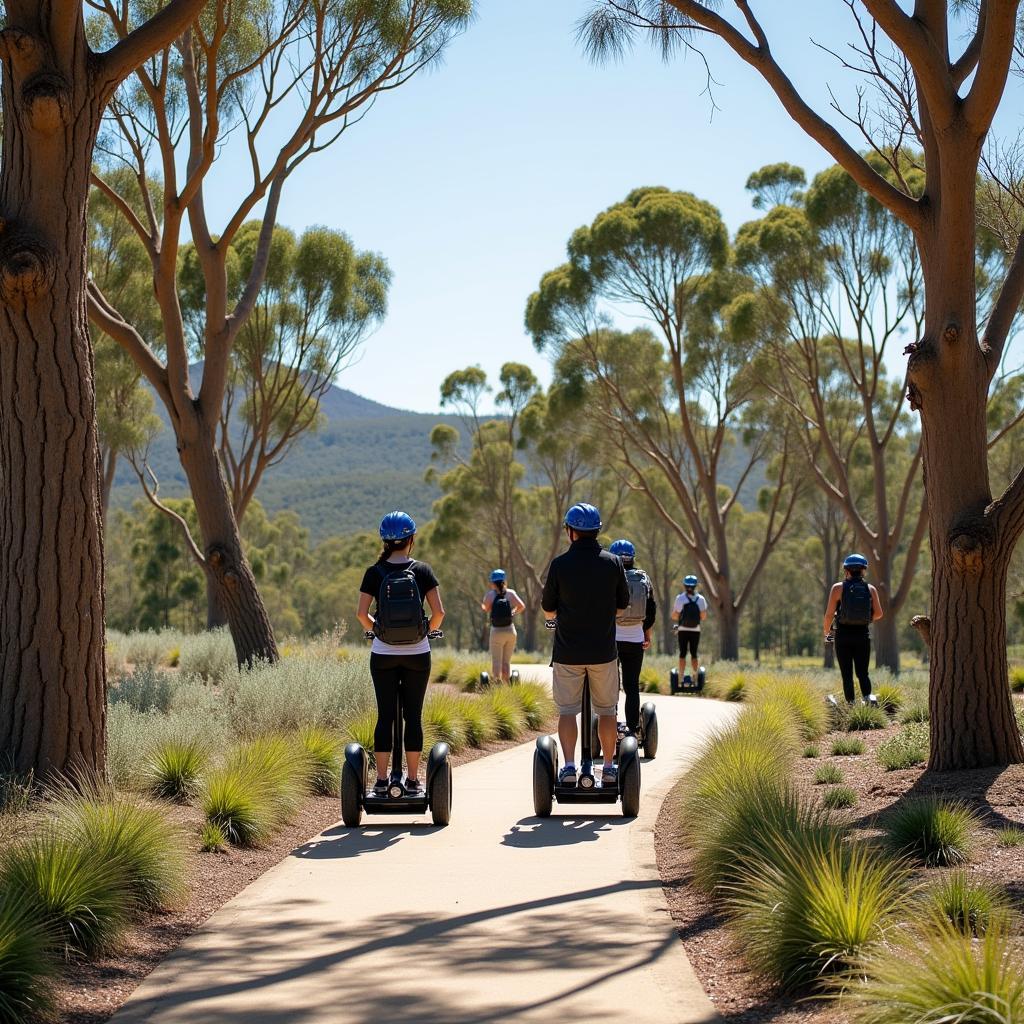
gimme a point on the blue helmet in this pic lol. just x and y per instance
(498, 576)
(855, 561)
(397, 526)
(623, 548)
(690, 581)
(583, 517)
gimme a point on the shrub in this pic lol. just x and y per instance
(865, 716)
(144, 847)
(300, 692)
(1010, 837)
(145, 689)
(70, 890)
(890, 698)
(828, 775)
(507, 710)
(811, 751)
(536, 703)
(210, 655)
(839, 797)
(931, 830)
(909, 747)
(969, 904)
(27, 967)
(212, 838)
(847, 746)
(322, 751)
(800, 700)
(812, 905)
(937, 974)
(173, 770)
(145, 648)
(478, 720)
(1017, 679)
(442, 719)
(916, 710)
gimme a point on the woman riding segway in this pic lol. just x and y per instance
(400, 655)
(502, 604)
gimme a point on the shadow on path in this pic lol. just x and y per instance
(341, 842)
(563, 830)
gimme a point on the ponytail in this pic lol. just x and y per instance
(391, 546)
(500, 587)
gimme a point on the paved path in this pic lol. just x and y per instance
(499, 917)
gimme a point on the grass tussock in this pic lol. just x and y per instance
(507, 710)
(969, 904)
(536, 703)
(932, 831)
(800, 699)
(847, 746)
(828, 775)
(478, 720)
(839, 798)
(907, 749)
(891, 698)
(862, 717)
(27, 964)
(1010, 837)
(173, 770)
(442, 720)
(811, 750)
(322, 750)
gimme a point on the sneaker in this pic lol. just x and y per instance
(609, 776)
(567, 776)
(412, 786)
(380, 787)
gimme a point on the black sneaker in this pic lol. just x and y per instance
(380, 787)
(412, 787)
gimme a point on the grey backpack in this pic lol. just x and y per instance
(639, 588)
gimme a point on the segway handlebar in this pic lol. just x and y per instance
(434, 634)
(551, 623)
(368, 635)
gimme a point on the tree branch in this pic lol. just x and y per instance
(1004, 311)
(152, 496)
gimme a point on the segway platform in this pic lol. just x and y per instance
(688, 684)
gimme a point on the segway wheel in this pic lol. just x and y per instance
(514, 677)
(629, 786)
(702, 676)
(485, 680)
(441, 793)
(351, 796)
(543, 789)
(673, 681)
(649, 720)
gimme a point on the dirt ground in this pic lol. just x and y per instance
(91, 991)
(743, 998)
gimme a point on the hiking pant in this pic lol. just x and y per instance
(631, 660)
(394, 674)
(503, 643)
(853, 652)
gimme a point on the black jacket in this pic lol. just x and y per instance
(585, 587)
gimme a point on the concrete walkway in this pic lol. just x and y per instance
(499, 917)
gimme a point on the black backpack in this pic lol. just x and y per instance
(399, 617)
(855, 605)
(689, 616)
(501, 611)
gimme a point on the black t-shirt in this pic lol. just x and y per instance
(585, 587)
(372, 578)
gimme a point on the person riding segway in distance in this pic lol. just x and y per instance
(633, 630)
(502, 604)
(584, 590)
(400, 654)
(688, 612)
(853, 604)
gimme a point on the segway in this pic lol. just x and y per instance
(646, 736)
(513, 677)
(586, 791)
(485, 681)
(436, 795)
(688, 684)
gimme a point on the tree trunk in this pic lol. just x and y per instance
(228, 572)
(887, 640)
(52, 675)
(216, 617)
(108, 461)
(729, 635)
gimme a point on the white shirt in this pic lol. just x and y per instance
(678, 607)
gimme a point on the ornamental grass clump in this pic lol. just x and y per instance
(935, 974)
(507, 711)
(478, 720)
(1010, 837)
(800, 699)
(442, 720)
(811, 905)
(536, 703)
(933, 831)
(828, 775)
(322, 750)
(847, 746)
(361, 729)
(173, 769)
(969, 904)
(890, 697)
(916, 710)
(862, 717)
(811, 751)
(907, 749)
(27, 964)
(839, 798)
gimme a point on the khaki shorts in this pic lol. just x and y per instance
(567, 687)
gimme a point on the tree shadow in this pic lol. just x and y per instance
(342, 842)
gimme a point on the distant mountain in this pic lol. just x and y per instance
(366, 459)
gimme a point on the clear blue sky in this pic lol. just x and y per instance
(471, 178)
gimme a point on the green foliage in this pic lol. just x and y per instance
(507, 710)
(27, 966)
(864, 716)
(1010, 837)
(839, 797)
(145, 689)
(209, 655)
(1017, 679)
(890, 698)
(938, 974)
(322, 750)
(847, 746)
(139, 843)
(442, 719)
(360, 730)
(173, 770)
(70, 890)
(969, 903)
(536, 703)
(916, 711)
(802, 701)
(828, 774)
(811, 751)
(736, 689)
(212, 838)
(907, 749)
(478, 720)
(931, 830)
(812, 905)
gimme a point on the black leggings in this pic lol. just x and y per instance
(404, 674)
(853, 652)
(631, 660)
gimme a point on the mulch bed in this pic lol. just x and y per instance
(741, 996)
(91, 991)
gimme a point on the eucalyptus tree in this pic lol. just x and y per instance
(274, 82)
(54, 91)
(951, 62)
(673, 405)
